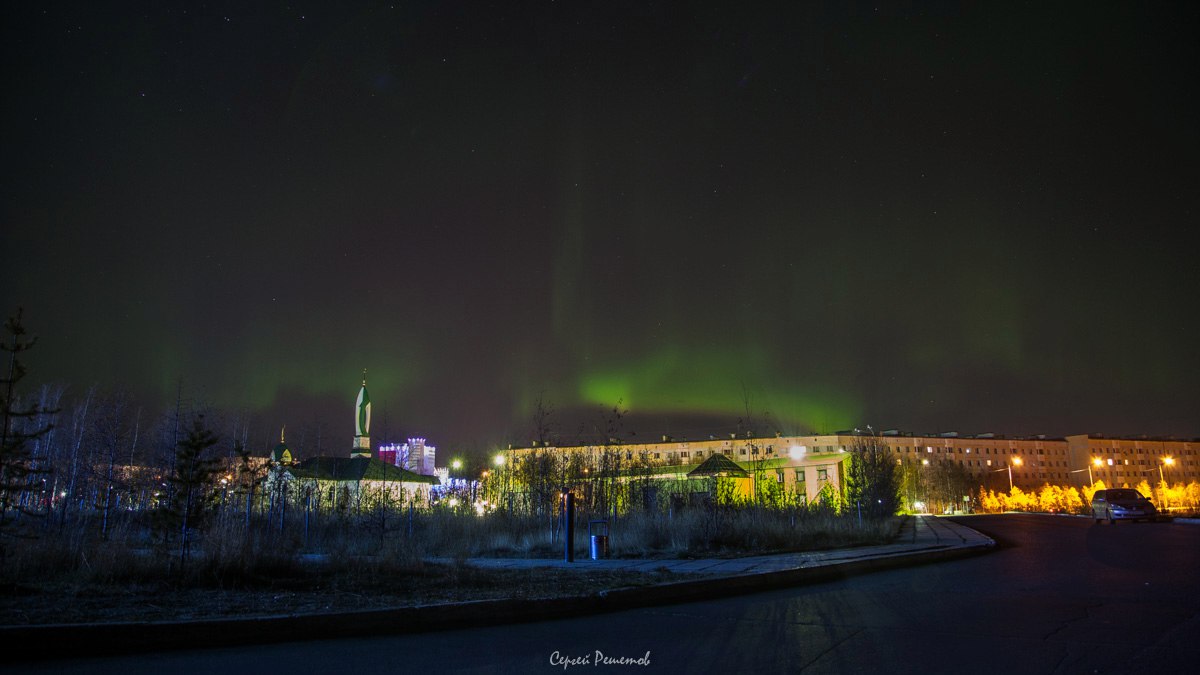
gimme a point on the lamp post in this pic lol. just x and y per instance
(1009, 470)
(1091, 480)
(1168, 461)
(502, 478)
(1017, 461)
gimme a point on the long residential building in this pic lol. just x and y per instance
(804, 464)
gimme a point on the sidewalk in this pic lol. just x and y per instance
(922, 540)
(918, 534)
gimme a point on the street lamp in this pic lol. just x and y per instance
(1017, 461)
(1009, 470)
(1091, 481)
(1169, 461)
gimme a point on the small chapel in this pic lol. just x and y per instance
(357, 476)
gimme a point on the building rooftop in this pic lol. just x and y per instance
(356, 469)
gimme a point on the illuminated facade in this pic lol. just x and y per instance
(415, 455)
(804, 464)
(1118, 461)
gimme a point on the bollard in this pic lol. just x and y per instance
(568, 514)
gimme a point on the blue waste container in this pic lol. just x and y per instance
(598, 534)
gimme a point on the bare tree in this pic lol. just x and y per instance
(112, 434)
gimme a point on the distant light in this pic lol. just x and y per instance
(64, 494)
(499, 460)
(456, 464)
(1169, 461)
(925, 462)
(918, 505)
(453, 502)
(797, 451)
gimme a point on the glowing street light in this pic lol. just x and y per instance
(1017, 461)
(1169, 461)
(1091, 480)
(456, 464)
(498, 460)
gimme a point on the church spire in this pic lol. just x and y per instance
(362, 422)
(281, 454)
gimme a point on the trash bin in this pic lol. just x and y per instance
(598, 534)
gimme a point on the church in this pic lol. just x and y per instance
(355, 479)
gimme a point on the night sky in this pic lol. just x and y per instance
(959, 218)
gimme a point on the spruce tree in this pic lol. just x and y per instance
(22, 424)
(193, 492)
(873, 483)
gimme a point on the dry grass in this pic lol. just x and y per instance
(68, 573)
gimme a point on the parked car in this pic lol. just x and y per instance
(1121, 504)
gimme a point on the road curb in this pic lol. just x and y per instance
(64, 641)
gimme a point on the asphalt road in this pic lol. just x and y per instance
(1059, 595)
